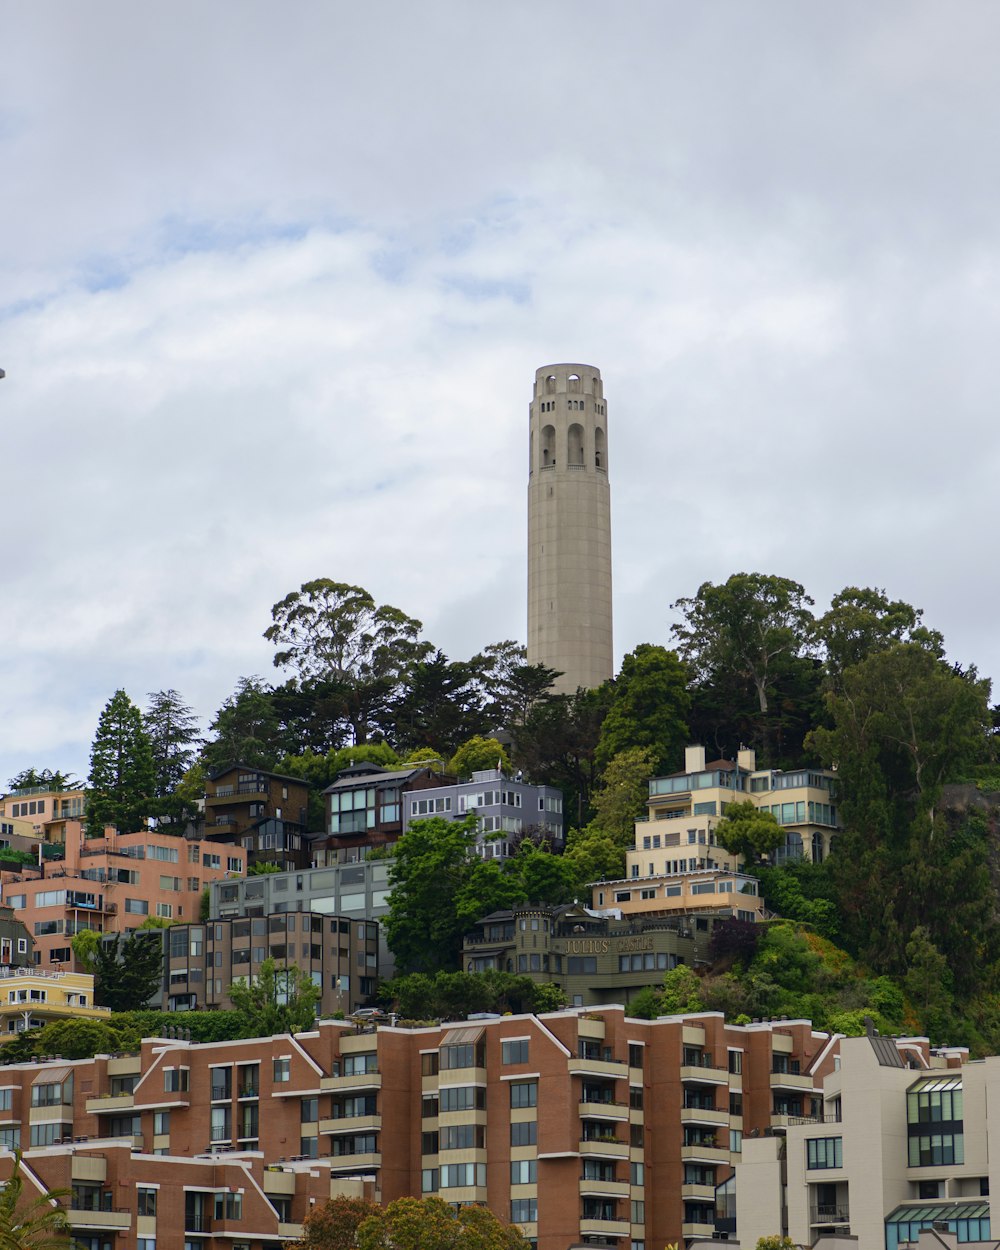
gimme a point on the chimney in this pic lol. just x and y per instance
(694, 759)
(747, 759)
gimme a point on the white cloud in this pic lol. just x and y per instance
(272, 295)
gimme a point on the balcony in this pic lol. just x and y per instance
(698, 1193)
(110, 1104)
(616, 1069)
(691, 1229)
(603, 1189)
(351, 1124)
(279, 1182)
(704, 1154)
(102, 1221)
(697, 1075)
(354, 1163)
(794, 1082)
(598, 1109)
(705, 1115)
(826, 1214)
(363, 1080)
(603, 1148)
(197, 1224)
(290, 1232)
(87, 1167)
(605, 1228)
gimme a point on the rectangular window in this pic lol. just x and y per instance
(462, 1175)
(524, 1211)
(825, 1152)
(282, 1070)
(145, 1202)
(524, 1133)
(161, 1123)
(515, 1051)
(6, 1099)
(524, 1093)
(523, 1172)
(463, 1098)
(176, 1080)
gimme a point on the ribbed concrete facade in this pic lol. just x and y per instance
(569, 527)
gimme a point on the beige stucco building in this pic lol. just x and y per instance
(900, 1143)
(569, 527)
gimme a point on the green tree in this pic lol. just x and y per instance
(85, 945)
(431, 867)
(593, 856)
(331, 631)
(621, 798)
(32, 1221)
(903, 724)
(748, 831)
(745, 626)
(432, 1224)
(543, 877)
(172, 728)
(478, 754)
(511, 687)
(775, 1242)
(861, 622)
(263, 869)
(928, 983)
(246, 729)
(73, 1039)
(43, 779)
(649, 708)
(127, 974)
(556, 744)
(122, 777)
(440, 706)
(277, 1000)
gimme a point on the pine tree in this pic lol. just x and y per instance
(122, 775)
(173, 733)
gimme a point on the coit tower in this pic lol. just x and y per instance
(569, 527)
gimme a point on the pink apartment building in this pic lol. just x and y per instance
(113, 884)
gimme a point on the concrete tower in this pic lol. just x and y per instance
(569, 527)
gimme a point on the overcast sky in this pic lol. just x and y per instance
(275, 279)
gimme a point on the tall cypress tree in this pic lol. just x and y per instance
(173, 732)
(122, 774)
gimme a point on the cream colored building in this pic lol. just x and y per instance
(676, 863)
(903, 1143)
(569, 527)
(30, 997)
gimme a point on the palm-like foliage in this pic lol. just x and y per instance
(32, 1223)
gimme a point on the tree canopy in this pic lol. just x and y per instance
(277, 1000)
(122, 775)
(650, 703)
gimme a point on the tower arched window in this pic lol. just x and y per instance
(574, 445)
(573, 382)
(548, 446)
(550, 383)
(600, 450)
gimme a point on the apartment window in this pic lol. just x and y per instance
(429, 1143)
(524, 1133)
(221, 1124)
(462, 1175)
(282, 1070)
(515, 1051)
(735, 1141)
(50, 1132)
(10, 1137)
(229, 1206)
(637, 1174)
(635, 1098)
(824, 1152)
(635, 1055)
(145, 1202)
(6, 1099)
(736, 1061)
(165, 911)
(49, 1095)
(360, 1065)
(524, 1211)
(161, 1123)
(463, 1098)
(463, 1137)
(429, 1063)
(175, 1080)
(523, 1172)
(309, 1113)
(137, 906)
(430, 1181)
(524, 1093)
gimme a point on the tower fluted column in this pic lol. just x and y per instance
(569, 527)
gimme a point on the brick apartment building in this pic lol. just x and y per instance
(585, 1128)
(112, 884)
